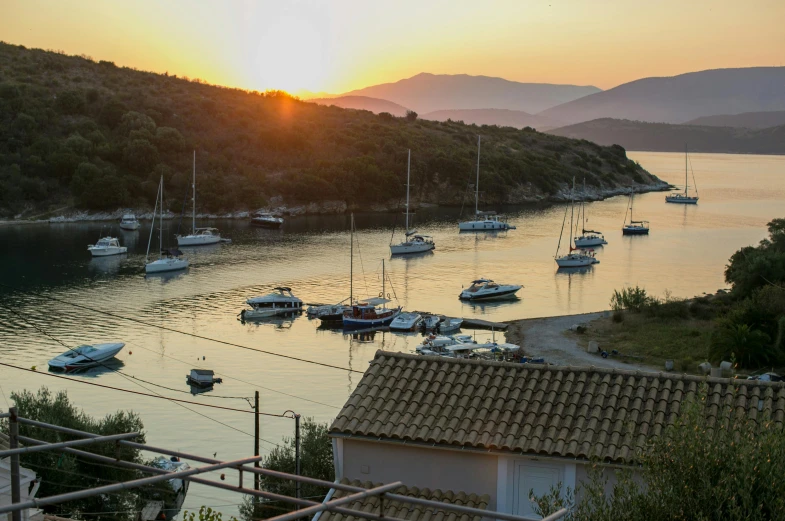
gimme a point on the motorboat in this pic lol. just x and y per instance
(266, 220)
(168, 260)
(684, 198)
(463, 346)
(450, 324)
(279, 301)
(588, 238)
(106, 246)
(486, 289)
(483, 221)
(85, 356)
(198, 236)
(179, 486)
(634, 227)
(406, 322)
(413, 242)
(129, 222)
(430, 322)
(370, 312)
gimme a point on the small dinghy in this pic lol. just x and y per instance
(85, 356)
(406, 322)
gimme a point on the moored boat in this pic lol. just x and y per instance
(486, 289)
(368, 313)
(484, 221)
(168, 260)
(198, 236)
(266, 220)
(634, 227)
(684, 198)
(576, 257)
(85, 356)
(129, 222)
(413, 242)
(406, 322)
(106, 246)
(279, 301)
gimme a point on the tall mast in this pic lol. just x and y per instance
(686, 186)
(477, 184)
(193, 186)
(583, 208)
(408, 180)
(161, 222)
(572, 209)
(383, 281)
(152, 225)
(351, 263)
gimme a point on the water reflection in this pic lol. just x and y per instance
(167, 277)
(107, 366)
(109, 265)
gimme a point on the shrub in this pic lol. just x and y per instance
(633, 299)
(71, 102)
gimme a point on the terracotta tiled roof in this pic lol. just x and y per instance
(407, 510)
(576, 412)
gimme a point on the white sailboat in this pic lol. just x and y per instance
(484, 221)
(684, 198)
(576, 257)
(169, 260)
(588, 238)
(413, 243)
(198, 236)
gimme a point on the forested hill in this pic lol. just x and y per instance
(75, 132)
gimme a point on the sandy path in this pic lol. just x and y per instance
(550, 338)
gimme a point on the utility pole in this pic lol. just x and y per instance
(16, 495)
(256, 477)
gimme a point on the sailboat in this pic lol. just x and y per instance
(485, 221)
(684, 198)
(413, 242)
(576, 258)
(333, 313)
(169, 260)
(634, 227)
(371, 312)
(588, 238)
(198, 236)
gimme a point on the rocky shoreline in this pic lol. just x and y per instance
(339, 207)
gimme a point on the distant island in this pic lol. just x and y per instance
(663, 137)
(76, 133)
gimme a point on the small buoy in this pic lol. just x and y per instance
(204, 357)
(223, 477)
(33, 368)
(130, 352)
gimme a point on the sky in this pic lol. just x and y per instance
(339, 45)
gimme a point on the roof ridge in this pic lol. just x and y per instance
(578, 368)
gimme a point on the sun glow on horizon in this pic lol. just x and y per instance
(340, 45)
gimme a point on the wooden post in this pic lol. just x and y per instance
(16, 494)
(256, 477)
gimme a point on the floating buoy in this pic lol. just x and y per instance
(223, 477)
(204, 357)
(33, 368)
(130, 352)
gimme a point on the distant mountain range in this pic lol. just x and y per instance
(682, 98)
(744, 120)
(500, 117)
(375, 105)
(425, 93)
(664, 137)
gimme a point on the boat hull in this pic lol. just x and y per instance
(106, 351)
(576, 262)
(129, 226)
(197, 240)
(406, 322)
(165, 265)
(410, 247)
(107, 252)
(501, 294)
(635, 231)
(361, 323)
(681, 200)
(484, 226)
(589, 243)
(266, 224)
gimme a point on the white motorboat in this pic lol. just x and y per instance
(634, 227)
(430, 322)
(266, 220)
(576, 257)
(413, 242)
(106, 246)
(129, 222)
(406, 322)
(279, 301)
(198, 236)
(486, 289)
(168, 260)
(85, 356)
(179, 485)
(684, 198)
(450, 324)
(588, 238)
(484, 221)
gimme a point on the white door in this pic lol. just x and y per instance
(536, 477)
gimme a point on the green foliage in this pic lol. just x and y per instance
(62, 472)
(251, 146)
(753, 267)
(205, 514)
(741, 342)
(411, 115)
(316, 462)
(632, 299)
(697, 469)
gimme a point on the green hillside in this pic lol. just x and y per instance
(75, 132)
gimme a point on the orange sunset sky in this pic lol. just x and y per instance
(336, 46)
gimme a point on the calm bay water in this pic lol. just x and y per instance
(685, 254)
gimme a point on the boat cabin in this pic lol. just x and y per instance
(368, 309)
(128, 218)
(202, 378)
(206, 231)
(481, 284)
(107, 242)
(280, 298)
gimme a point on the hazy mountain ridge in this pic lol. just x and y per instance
(500, 117)
(75, 132)
(744, 120)
(681, 98)
(666, 137)
(427, 92)
(375, 105)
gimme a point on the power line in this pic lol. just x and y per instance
(173, 330)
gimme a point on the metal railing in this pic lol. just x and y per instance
(308, 508)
